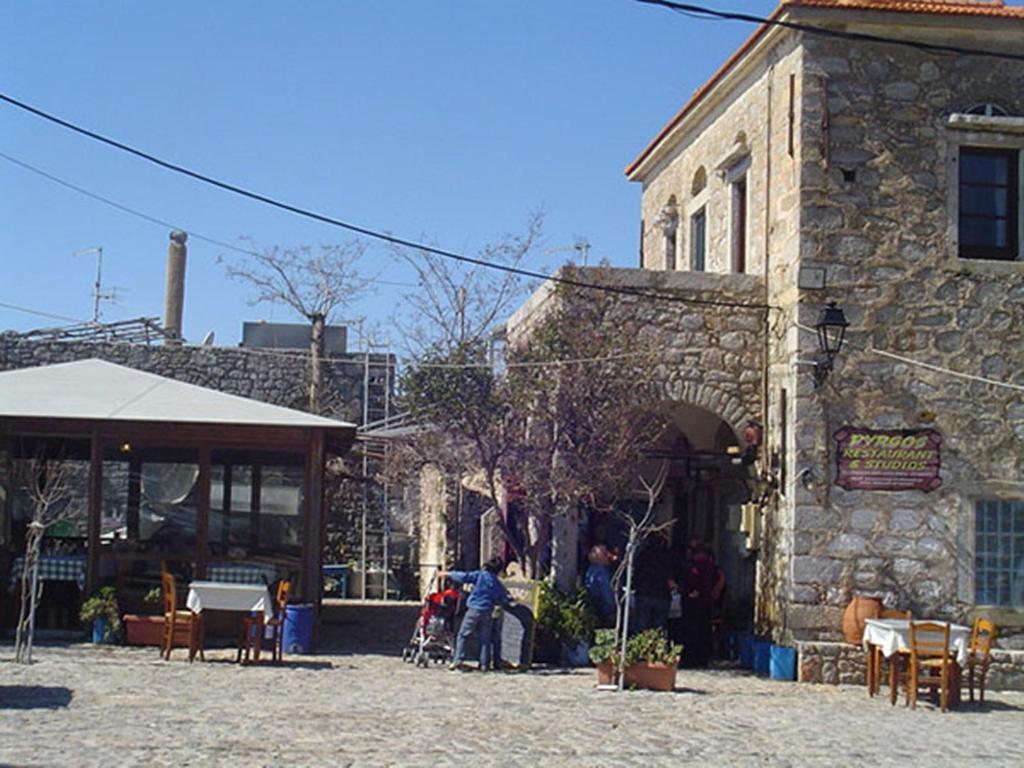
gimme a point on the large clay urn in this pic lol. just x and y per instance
(859, 609)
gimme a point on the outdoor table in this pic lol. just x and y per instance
(227, 596)
(892, 636)
(53, 568)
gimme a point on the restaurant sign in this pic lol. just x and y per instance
(888, 459)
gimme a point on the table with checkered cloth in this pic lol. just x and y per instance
(53, 568)
(241, 573)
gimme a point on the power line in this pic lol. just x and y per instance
(41, 313)
(871, 350)
(365, 231)
(699, 11)
(153, 219)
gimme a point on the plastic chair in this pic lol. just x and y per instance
(175, 620)
(983, 637)
(930, 662)
(253, 628)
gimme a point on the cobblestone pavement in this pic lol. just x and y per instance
(84, 705)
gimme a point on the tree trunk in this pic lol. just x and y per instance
(316, 355)
(565, 549)
(539, 532)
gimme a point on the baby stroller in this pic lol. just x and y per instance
(434, 636)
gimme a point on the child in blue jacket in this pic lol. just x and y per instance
(487, 593)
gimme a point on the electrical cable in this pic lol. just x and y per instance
(870, 350)
(41, 313)
(698, 11)
(153, 219)
(365, 231)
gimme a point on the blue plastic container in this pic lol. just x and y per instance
(783, 663)
(745, 641)
(99, 630)
(762, 657)
(298, 629)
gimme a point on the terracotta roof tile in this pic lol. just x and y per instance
(997, 8)
(990, 8)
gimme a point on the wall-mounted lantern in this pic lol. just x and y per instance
(831, 328)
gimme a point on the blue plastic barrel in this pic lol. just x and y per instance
(783, 663)
(746, 649)
(762, 656)
(298, 629)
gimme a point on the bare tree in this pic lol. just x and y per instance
(639, 529)
(50, 487)
(580, 382)
(315, 283)
(457, 304)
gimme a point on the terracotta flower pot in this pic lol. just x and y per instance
(148, 630)
(859, 609)
(605, 673)
(653, 677)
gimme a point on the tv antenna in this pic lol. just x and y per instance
(580, 247)
(97, 290)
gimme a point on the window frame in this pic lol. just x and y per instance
(1011, 251)
(984, 537)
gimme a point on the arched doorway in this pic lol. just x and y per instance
(709, 472)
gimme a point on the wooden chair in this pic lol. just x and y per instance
(930, 662)
(254, 627)
(877, 660)
(176, 621)
(983, 637)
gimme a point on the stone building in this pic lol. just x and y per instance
(885, 177)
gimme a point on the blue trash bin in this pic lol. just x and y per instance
(762, 657)
(298, 629)
(746, 649)
(783, 663)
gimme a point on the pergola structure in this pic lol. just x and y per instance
(170, 473)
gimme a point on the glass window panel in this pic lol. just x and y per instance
(984, 168)
(983, 233)
(990, 201)
(698, 237)
(167, 517)
(281, 511)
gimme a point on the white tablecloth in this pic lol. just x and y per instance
(222, 596)
(892, 635)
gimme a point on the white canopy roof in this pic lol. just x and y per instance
(96, 389)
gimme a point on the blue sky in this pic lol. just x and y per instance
(447, 120)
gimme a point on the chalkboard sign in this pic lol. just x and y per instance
(517, 624)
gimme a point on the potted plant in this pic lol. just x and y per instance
(146, 629)
(604, 653)
(651, 659)
(569, 621)
(102, 612)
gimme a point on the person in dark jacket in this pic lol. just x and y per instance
(487, 593)
(698, 587)
(653, 583)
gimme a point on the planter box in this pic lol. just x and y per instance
(652, 677)
(149, 630)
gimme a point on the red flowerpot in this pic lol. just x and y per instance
(149, 630)
(653, 677)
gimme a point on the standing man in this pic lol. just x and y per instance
(487, 593)
(653, 581)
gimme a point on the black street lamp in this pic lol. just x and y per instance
(831, 328)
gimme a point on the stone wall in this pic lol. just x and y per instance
(878, 166)
(844, 664)
(712, 354)
(279, 377)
